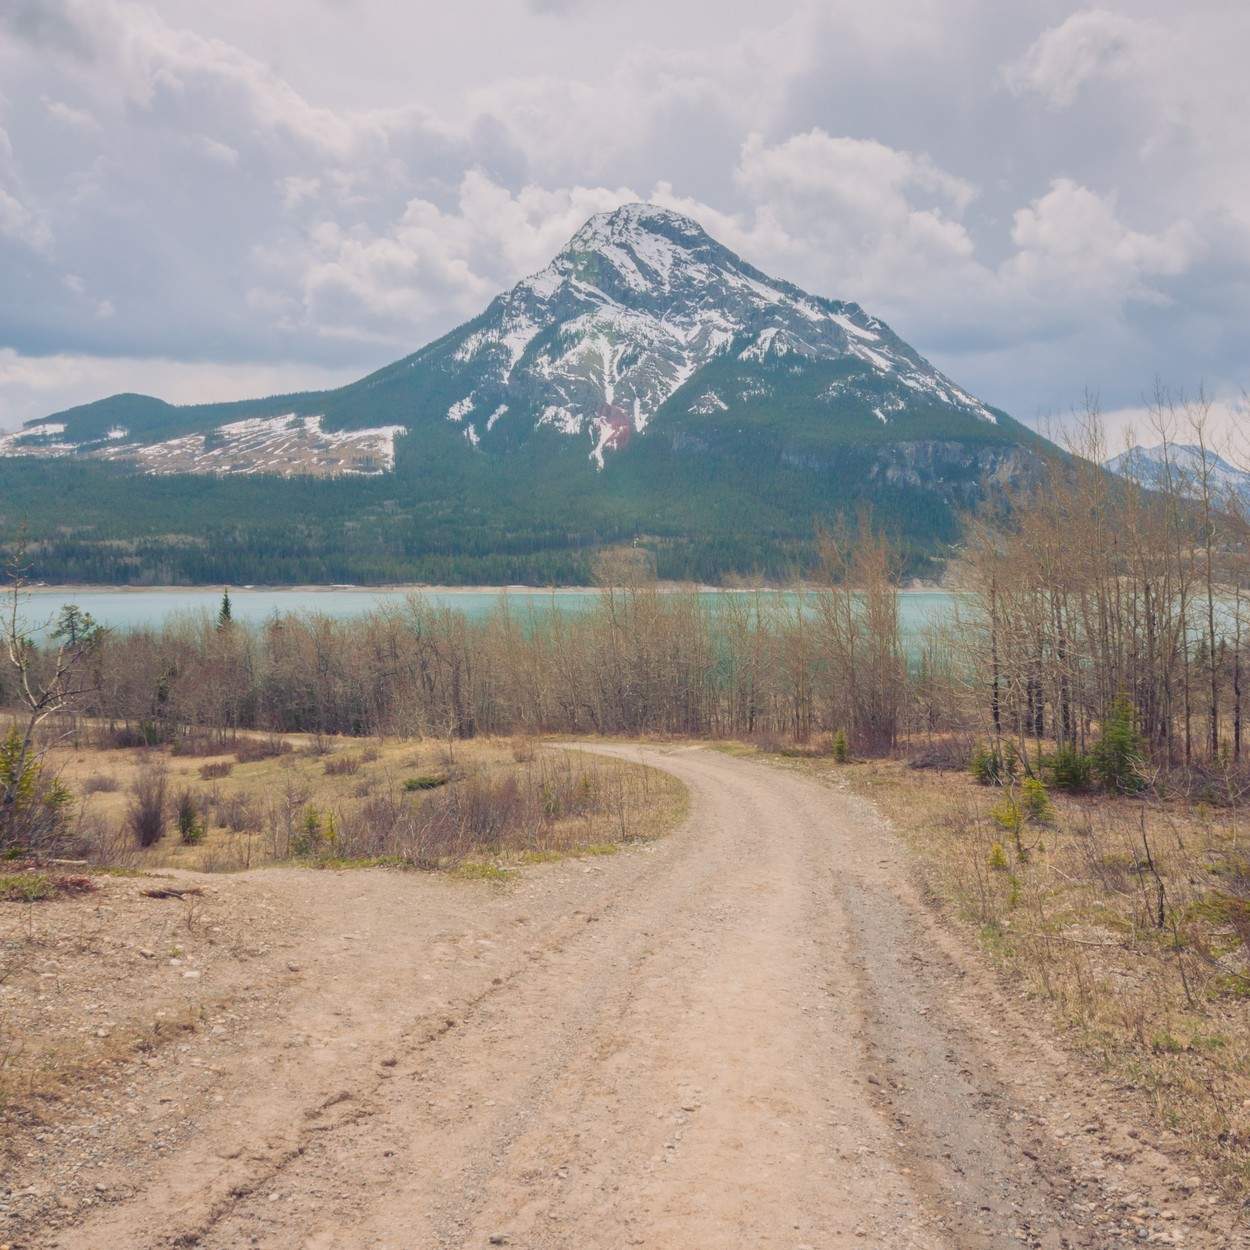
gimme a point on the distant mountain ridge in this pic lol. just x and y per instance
(1181, 464)
(646, 385)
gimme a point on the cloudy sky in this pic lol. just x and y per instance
(219, 200)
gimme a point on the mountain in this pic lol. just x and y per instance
(647, 386)
(642, 315)
(1182, 464)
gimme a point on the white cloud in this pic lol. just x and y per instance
(1165, 93)
(1071, 244)
(223, 153)
(454, 259)
(76, 119)
(296, 190)
(1096, 43)
(851, 217)
(23, 224)
(1044, 197)
(1138, 426)
(557, 8)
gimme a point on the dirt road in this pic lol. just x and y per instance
(749, 1034)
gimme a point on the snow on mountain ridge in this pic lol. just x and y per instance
(1182, 465)
(284, 444)
(636, 303)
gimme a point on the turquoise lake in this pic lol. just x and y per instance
(142, 608)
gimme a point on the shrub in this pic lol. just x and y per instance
(341, 765)
(946, 754)
(235, 812)
(32, 885)
(25, 887)
(198, 742)
(127, 737)
(35, 815)
(1008, 815)
(429, 782)
(1117, 756)
(146, 813)
(983, 765)
(1070, 770)
(190, 825)
(841, 752)
(548, 806)
(1035, 802)
(216, 770)
(994, 765)
(318, 833)
(98, 783)
(249, 750)
(998, 857)
(308, 835)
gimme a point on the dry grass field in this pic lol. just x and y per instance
(467, 806)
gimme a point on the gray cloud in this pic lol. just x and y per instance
(557, 7)
(1044, 198)
(45, 24)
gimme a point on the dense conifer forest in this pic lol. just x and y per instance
(92, 522)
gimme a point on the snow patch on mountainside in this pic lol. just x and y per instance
(859, 332)
(708, 403)
(561, 419)
(284, 445)
(37, 440)
(638, 302)
(461, 408)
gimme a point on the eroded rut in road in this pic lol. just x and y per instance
(751, 1033)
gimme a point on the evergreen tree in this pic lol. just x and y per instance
(1118, 755)
(224, 616)
(76, 628)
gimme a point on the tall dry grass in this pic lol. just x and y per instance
(425, 808)
(551, 803)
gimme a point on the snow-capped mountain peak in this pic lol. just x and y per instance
(640, 300)
(641, 323)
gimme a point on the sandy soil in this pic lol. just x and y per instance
(752, 1033)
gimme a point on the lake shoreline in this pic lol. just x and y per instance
(417, 588)
(153, 607)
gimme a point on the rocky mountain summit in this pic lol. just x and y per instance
(637, 306)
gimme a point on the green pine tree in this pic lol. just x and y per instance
(1119, 754)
